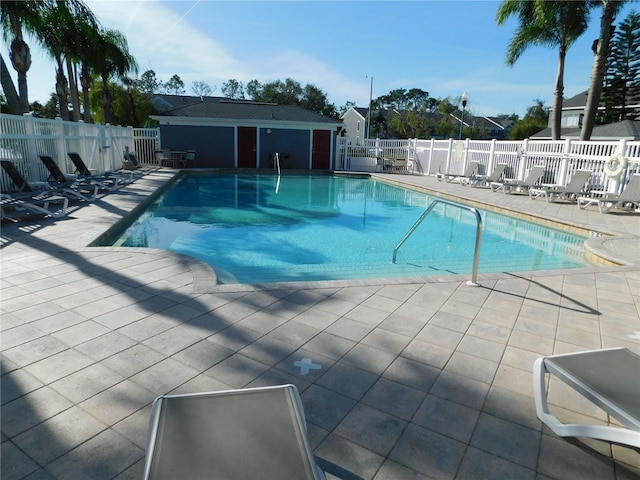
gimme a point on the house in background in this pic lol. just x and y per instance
(229, 133)
(356, 125)
(355, 122)
(571, 123)
(626, 129)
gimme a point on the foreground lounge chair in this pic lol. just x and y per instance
(35, 203)
(574, 188)
(469, 172)
(629, 199)
(112, 180)
(610, 378)
(511, 185)
(231, 435)
(86, 193)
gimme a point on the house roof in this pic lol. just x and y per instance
(629, 129)
(577, 101)
(219, 108)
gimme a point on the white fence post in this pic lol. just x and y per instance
(32, 147)
(614, 186)
(432, 143)
(564, 164)
(465, 153)
(492, 156)
(449, 155)
(61, 148)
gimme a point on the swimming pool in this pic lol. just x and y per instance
(264, 228)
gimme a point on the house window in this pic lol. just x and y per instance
(358, 128)
(572, 120)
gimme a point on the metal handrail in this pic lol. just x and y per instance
(277, 162)
(479, 228)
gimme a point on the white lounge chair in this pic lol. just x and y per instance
(469, 172)
(484, 180)
(231, 435)
(573, 189)
(629, 199)
(610, 378)
(510, 185)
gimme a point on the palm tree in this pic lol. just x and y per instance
(14, 18)
(62, 36)
(549, 24)
(609, 10)
(112, 59)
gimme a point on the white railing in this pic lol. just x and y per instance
(559, 157)
(24, 138)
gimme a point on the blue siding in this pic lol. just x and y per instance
(214, 146)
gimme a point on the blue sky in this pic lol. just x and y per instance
(442, 47)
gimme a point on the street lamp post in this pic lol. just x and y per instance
(369, 109)
(464, 97)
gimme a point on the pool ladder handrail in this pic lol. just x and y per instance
(276, 158)
(479, 228)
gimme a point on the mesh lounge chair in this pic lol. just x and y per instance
(111, 180)
(230, 435)
(469, 172)
(483, 181)
(38, 203)
(87, 193)
(574, 188)
(609, 378)
(629, 199)
(510, 185)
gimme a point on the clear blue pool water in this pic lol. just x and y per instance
(260, 229)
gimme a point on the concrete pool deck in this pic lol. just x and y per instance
(417, 379)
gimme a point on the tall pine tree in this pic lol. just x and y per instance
(621, 91)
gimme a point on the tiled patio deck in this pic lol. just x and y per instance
(417, 380)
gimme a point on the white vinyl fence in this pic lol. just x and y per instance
(429, 157)
(24, 138)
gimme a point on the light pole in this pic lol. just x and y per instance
(369, 109)
(464, 97)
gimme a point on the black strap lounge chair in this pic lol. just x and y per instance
(38, 203)
(86, 193)
(111, 180)
(231, 435)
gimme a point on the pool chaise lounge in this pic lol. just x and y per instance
(511, 185)
(609, 378)
(246, 433)
(35, 203)
(56, 175)
(77, 191)
(112, 180)
(571, 191)
(629, 199)
(469, 173)
(483, 181)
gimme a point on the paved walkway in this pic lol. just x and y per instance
(424, 379)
